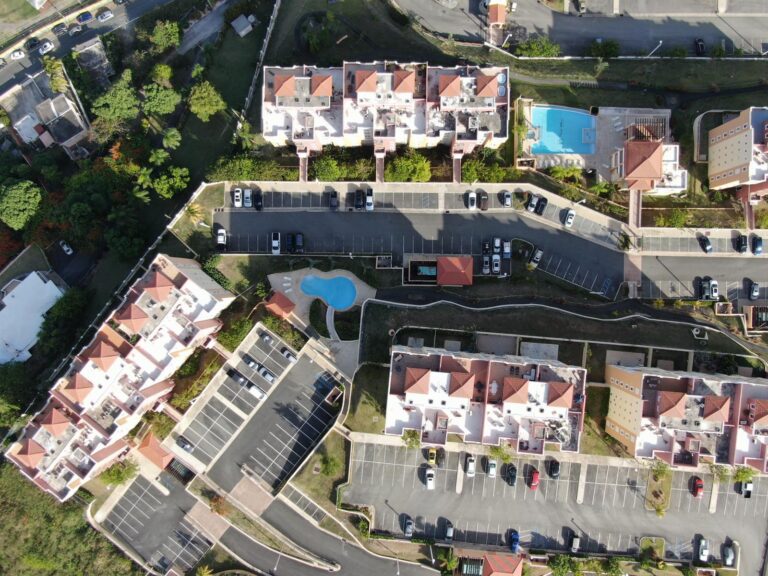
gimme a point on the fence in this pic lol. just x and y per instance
(262, 54)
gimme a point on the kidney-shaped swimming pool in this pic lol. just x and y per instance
(338, 292)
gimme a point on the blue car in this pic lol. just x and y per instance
(84, 17)
(514, 541)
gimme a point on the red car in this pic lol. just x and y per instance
(535, 479)
(698, 487)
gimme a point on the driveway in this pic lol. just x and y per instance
(611, 518)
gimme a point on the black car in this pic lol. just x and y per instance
(541, 205)
(757, 245)
(511, 474)
(486, 247)
(334, 201)
(184, 444)
(698, 46)
(482, 200)
(258, 201)
(299, 243)
(59, 29)
(742, 243)
(440, 458)
(31, 44)
(705, 244)
(359, 199)
(290, 243)
(554, 469)
(237, 377)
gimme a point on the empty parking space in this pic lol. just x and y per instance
(130, 516)
(592, 279)
(304, 504)
(184, 547)
(238, 395)
(614, 487)
(211, 429)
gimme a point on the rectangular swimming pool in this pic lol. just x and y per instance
(560, 130)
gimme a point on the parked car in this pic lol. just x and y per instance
(66, 248)
(486, 264)
(496, 245)
(17, 54)
(299, 243)
(237, 377)
(535, 259)
(369, 204)
(237, 197)
(431, 456)
(541, 205)
(698, 47)
(266, 374)
(492, 466)
(334, 200)
(408, 528)
(290, 243)
(276, 243)
(45, 47)
(184, 444)
(709, 289)
(507, 199)
(258, 201)
(2, 62)
(754, 291)
(554, 469)
(728, 555)
(60, 29)
(486, 246)
(440, 458)
(757, 245)
(534, 482)
(514, 541)
(221, 238)
(575, 543)
(359, 199)
(533, 200)
(705, 244)
(471, 465)
(75, 29)
(511, 475)
(84, 17)
(506, 250)
(482, 200)
(582, 7)
(31, 44)
(248, 198)
(265, 337)
(742, 243)
(496, 264)
(104, 16)
(471, 201)
(448, 532)
(249, 361)
(430, 478)
(287, 354)
(746, 489)
(698, 487)
(256, 391)
(703, 550)
(570, 216)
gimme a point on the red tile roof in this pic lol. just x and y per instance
(132, 317)
(454, 270)
(365, 81)
(717, 408)
(404, 81)
(285, 85)
(497, 14)
(158, 285)
(502, 565)
(151, 448)
(486, 85)
(449, 85)
(758, 415)
(78, 388)
(559, 395)
(642, 164)
(280, 305)
(321, 85)
(417, 380)
(462, 385)
(55, 421)
(109, 451)
(103, 354)
(30, 453)
(671, 404)
(514, 390)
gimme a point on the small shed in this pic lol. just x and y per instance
(242, 25)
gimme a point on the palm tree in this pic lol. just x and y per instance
(194, 211)
(204, 570)
(158, 157)
(144, 178)
(140, 194)
(171, 138)
(448, 561)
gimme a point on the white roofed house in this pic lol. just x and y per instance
(123, 372)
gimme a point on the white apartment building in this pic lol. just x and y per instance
(119, 375)
(738, 152)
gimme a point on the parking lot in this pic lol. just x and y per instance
(612, 515)
(155, 526)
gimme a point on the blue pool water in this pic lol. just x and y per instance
(338, 292)
(563, 131)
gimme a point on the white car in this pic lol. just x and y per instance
(45, 47)
(237, 197)
(257, 392)
(471, 464)
(496, 264)
(369, 200)
(570, 216)
(275, 243)
(507, 199)
(472, 201)
(221, 238)
(104, 16)
(430, 477)
(728, 556)
(66, 248)
(703, 550)
(492, 466)
(17, 54)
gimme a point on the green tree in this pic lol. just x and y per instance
(245, 167)
(159, 100)
(120, 472)
(61, 324)
(409, 167)
(5, 120)
(604, 49)
(743, 474)
(197, 70)
(171, 138)
(165, 35)
(236, 333)
(565, 173)
(204, 570)
(540, 46)
(448, 560)
(329, 465)
(721, 472)
(19, 202)
(500, 453)
(325, 169)
(174, 180)
(674, 218)
(205, 101)
(159, 157)
(412, 438)
(560, 564)
(124, 233)
(55, 70)
(120, 102)
(660, 470)
(612, 566)
(162, 74)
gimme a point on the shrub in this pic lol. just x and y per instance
(604, 49)
(191, 366)
(120, 472)
(244, 167)
(540, 46)
(409, 167)
(236, 333)
(412, 439)
(160, 424)
(209, 266)
(293, 337)
(743, 474)
(500, 453)
(325, 169)
(329, 465)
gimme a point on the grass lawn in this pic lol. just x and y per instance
(110, 271)
(16, 10)
(219, 560)
(317, 312)
(652, 548)
(321, 485)
(594, 440)
(659, 492)
(680, 359)
(190, 229)
(584, 97)
(369, 400)
(32, 258)
(347, 323)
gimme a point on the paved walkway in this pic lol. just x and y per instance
(204, 28)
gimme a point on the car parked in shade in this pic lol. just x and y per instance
(448, 532)
(486, 264)
(697, 487)
(698, 47)
(288, 355)
(728, 555)
(706, 244)
(482, 200)
(66, 248)
(184, 444)
(430, 478)
(248, 198)
(742, 243)
(258, 201)
(535, 259)
(221, 238)
(703, 550)
(511, 475)
(408, 528)
(333, 202)
(514, 541)
(369, 203)
(554, 469)
(541, 205)
(492, 467)
(84, 17)
(496, 264)
(754, 291)
(31, 44)
(45, 47)
(507, 199)
(431, 456)
(359, 199)
(60, 29)
(533, 200)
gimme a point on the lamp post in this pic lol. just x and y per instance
(654, 50)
